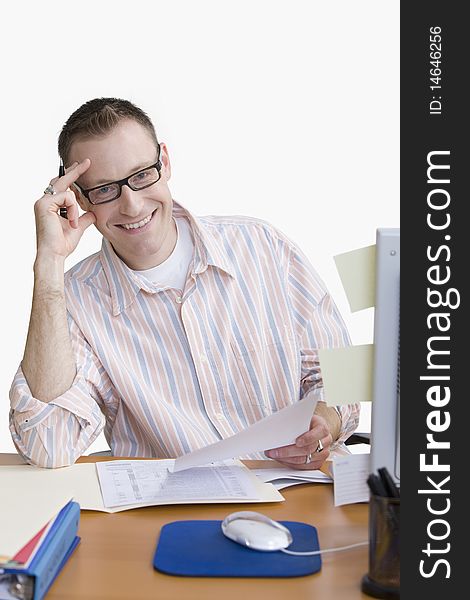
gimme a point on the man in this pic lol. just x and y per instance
(180, 331)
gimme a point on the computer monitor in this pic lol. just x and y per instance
(385, 419)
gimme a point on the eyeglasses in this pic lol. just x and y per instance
(136, 181)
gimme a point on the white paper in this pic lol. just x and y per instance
(126, 482)
(359, 448)
(280, 429)
(47, 487)
(350, 474)
(26, 505)
(273, 475)
(280, 484)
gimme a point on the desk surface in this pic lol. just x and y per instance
(114, 559)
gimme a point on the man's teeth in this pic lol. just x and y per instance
(137, 225)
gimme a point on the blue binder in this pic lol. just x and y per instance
(59, 543)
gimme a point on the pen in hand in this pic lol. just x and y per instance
(62, 209)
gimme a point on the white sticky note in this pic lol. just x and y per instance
(350, 478)
(357, 272)
(347, 374)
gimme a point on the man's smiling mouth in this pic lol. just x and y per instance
(139, 224)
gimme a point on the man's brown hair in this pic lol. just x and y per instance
(98, 117)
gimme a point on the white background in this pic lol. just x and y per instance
(284, 111)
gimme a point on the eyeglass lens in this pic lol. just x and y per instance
(138, 181)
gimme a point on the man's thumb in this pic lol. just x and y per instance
(86, 220)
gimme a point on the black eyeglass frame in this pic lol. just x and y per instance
(125, 181)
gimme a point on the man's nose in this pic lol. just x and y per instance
(130, 202)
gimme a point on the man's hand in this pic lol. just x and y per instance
(307, 445)
(58, 237)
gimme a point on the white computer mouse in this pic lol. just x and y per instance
(256, 531)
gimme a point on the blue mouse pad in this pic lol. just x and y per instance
(200, 549)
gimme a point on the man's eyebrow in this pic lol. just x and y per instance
(138, 167)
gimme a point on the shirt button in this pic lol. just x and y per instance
(220, 416)
(203, 358)
(178, 300)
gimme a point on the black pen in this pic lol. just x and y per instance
(378, 488)
(388, 482)
(62, 209)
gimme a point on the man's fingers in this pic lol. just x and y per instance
(295, 452)
(72, 166)
(295, 463)
(51, 203)
(54, 201)
(318, 432)
(72, 208)
(314, 447)
(86, 220)
(286, 452)
(71, 175)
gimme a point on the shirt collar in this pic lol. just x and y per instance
(125, 284)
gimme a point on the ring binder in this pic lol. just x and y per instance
(33, 582)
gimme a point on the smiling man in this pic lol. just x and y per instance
(181, 331)
(139, 226)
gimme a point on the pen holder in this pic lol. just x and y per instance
(383, 578)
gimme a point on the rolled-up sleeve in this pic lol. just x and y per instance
(319, 325)
(56, 433)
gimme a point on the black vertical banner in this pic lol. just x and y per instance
(435, 242)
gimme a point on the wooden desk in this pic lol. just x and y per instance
(114, 558)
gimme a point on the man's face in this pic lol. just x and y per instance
(125, 150)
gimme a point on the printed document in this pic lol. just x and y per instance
(150, 482)
(52, 488)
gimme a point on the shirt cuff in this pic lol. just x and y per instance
(29, 412)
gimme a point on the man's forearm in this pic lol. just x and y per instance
(48, 362)
(331, 416)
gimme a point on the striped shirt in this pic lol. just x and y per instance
(165, 372)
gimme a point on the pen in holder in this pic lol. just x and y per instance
(383, 578)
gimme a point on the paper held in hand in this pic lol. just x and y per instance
(280, 429)
(113, 486)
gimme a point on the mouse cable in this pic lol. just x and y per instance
(324, 551)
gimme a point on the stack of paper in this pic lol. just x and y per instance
(113, 486)
(131, 483)
(25, 511)
(284, 477)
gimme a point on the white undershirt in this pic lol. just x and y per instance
(173, 271)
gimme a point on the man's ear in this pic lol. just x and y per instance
(165, 160)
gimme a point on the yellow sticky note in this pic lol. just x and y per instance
(357, 272)
(347, 374)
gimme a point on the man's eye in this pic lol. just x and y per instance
(103, 190)
(142, 175)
